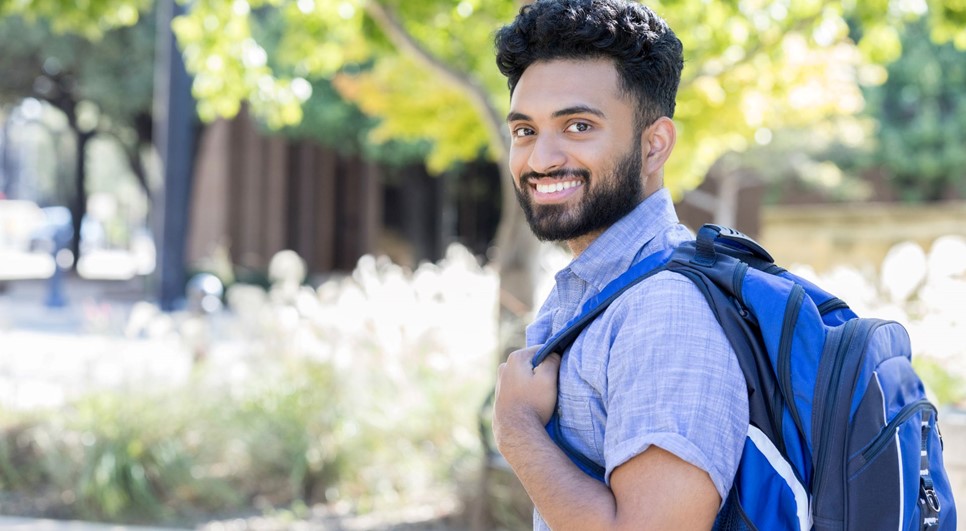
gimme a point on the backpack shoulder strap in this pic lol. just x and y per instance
(711, 240)
(695, 260)
(597, 304)
(566, 336)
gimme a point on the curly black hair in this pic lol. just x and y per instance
(647, 54)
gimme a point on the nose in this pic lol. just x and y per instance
(546, 155)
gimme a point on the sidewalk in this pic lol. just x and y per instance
(33, 524)
(51, 355)
(23, 303)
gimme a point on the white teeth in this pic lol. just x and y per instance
(556, 187)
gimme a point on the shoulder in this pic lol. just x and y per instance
(663, 300)
(665, 323)
(672, 369)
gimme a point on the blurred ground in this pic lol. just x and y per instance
(52, 354)
(48, 355)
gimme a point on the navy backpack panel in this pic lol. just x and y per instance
(841, 435)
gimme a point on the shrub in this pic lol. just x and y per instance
(364, 391)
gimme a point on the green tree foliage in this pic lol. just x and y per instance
(113, 73)
(90, 18)
(750, 65)
(331, 120)
(327, 116)
(426, 71)
(921, 112)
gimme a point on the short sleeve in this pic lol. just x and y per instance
(538, 331)
(673, 381)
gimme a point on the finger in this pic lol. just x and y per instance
(518, 363)
(548, 369)
(523, 357)
(524, 353)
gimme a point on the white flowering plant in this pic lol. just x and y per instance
(364, 392)
(925, 292)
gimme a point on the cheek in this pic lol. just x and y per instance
(588, 155)
(517, 163)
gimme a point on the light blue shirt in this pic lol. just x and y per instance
(655, 368)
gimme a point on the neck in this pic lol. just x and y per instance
(581, 243)
(653, 183)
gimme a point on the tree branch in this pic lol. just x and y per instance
(404, 41)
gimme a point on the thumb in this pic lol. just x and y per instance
(549, 364)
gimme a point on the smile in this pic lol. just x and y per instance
(549, 188)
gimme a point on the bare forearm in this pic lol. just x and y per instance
(645, 492)
(565, 496)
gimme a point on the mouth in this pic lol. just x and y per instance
(559, 186)
(551, 191)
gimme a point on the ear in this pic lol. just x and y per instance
(657, 141)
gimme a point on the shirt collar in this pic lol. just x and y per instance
(617, 248)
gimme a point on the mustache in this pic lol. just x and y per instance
(562, 173)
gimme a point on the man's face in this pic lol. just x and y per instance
(575, 154)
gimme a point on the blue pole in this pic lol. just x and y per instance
(61, 237)
(175, 130)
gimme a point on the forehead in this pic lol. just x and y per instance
(548, 86)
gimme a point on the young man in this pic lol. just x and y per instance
(651, 390)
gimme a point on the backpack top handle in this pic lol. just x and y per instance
(706, 255)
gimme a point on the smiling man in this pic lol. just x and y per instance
(651, 391)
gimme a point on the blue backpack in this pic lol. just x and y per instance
(841, 435)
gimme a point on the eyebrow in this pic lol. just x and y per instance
(568, 111)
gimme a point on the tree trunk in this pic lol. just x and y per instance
(144, 128)
(516, 260)
(79, 206)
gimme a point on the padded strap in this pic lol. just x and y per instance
(593, 307)
(565, 337)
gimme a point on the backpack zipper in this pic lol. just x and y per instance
(821, 461)
(881, 440)
(784, 361)
(737, 280)
(832, 304)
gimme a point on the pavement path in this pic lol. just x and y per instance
(35, 524)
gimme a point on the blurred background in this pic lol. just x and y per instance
(259, 259)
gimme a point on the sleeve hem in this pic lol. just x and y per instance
(675, 444)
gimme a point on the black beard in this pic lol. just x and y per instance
(601, 207)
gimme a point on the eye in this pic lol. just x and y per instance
(578, 127)
(520, 132)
